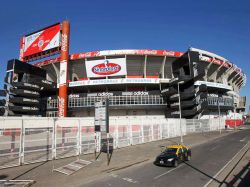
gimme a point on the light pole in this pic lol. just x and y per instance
(234, 114)
(219, 111)
(178, 87)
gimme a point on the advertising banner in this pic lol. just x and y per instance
(62, 96)
(106, 67)
(39, 42)
(115, 81)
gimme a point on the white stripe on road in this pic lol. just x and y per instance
(213, 148)
(124, 178)
(242, 140)
(157, 177)
(129, 180)
(225, 166)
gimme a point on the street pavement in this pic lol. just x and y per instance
(207, 160)
(133, 166)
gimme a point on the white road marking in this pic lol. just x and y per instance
(213, 148)
(224, 166)
(242, 140)
(114, 175)
(124, 178)
(129, 180)
(157, 177)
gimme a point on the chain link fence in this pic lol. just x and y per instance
(29, 140)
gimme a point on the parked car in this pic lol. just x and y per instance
(173, 155)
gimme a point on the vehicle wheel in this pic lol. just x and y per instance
(188, 157)
(175, 163)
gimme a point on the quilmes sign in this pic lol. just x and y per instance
(106, 67)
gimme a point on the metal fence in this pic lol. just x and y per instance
(28, 140)
(52, 103)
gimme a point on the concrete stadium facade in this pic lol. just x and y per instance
(139, 83)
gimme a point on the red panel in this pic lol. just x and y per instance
(42, 40)
(21, 48)
(153, 76)
(12, 132)
(62, 107)
(115, 52)
(111, 129)
(136, 128)
(232, 122)
(47, 62)
(84, 78)
(134, 76)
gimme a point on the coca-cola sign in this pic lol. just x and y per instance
(106, 67)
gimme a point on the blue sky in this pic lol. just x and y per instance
(222, 27)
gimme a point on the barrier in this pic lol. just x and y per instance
(25, 140)
(234, 122)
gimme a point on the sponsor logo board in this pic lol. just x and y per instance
(63, 70)
(106, 67)
(43, 40)
(115, 81)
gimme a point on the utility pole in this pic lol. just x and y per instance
(178, 85)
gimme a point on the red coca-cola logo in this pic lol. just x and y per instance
(106, 68)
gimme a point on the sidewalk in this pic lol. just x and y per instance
(122, 158)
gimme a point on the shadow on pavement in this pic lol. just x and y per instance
(245, 181)
(202, 172)
(29, 170)
(3, 176)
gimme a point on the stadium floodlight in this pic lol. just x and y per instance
(178, 85)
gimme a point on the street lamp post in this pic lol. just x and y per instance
(219, 112)
(178, 87)
(234, 117)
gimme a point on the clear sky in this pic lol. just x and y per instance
(219, 26)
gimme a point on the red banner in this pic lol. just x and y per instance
(39, 42)
(62, 107)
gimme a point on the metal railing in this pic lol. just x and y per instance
(222, 101)
(29, 140)
(113, 101)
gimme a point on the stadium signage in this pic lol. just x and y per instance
(106, 67)
(40, 43)
(46, 82)
(29, 108)
(74, 96)
(64, 42)
(135, 93)
(110, 94)
(114, 81)
(213, 84)
(30, 100)
(30, 92)
(61, 106)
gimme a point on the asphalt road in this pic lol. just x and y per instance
(207, 160)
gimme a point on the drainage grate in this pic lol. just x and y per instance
(16, 183)
(73, 167)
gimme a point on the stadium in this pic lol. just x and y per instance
(142, 87)
(137, 82)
